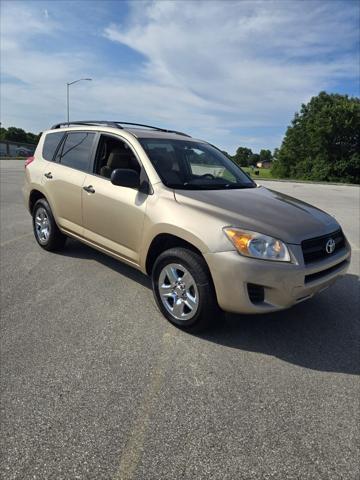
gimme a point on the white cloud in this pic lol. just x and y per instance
(214, 69)
(19, 23)
(251, 63)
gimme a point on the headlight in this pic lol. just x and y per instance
(257, 245)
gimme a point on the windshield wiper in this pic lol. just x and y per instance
(239, 185)
(211, 186)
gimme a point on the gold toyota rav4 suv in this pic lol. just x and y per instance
(179, 210)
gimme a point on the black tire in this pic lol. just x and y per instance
(55, 240)
(207, 308)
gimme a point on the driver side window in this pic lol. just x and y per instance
(112, 154)
(201, 163)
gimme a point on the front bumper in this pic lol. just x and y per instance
(285, 284)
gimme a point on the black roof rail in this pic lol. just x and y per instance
(159, 129)
(87, 122)
(115, 124)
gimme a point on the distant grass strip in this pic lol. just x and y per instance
(263, 173)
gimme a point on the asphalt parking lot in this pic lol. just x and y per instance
(95, 384)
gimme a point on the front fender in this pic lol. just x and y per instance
(169, 229)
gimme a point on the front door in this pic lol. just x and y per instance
(113, 216)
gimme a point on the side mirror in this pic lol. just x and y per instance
(125, 177)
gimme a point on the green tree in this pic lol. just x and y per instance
(265, 155)
(226, 154)
(2, 133)
(242, 156)
(253, 159)
(32, 138)
(15, 134)
(323, 141)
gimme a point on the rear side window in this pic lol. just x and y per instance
(77, 149)
(51, 144)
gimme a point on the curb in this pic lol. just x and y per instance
(306, 182)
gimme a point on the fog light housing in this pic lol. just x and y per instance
(256, 293)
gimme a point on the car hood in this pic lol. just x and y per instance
(261, 210)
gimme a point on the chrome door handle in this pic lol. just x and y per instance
(48, 175)
(89, 189)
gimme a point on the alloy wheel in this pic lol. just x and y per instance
(178, 291)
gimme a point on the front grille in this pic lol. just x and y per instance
(323, 273)
(256, 293)
(315, 248)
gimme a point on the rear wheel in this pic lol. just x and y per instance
(183, 289)
(46, 231)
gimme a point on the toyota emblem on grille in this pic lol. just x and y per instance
(330, 246)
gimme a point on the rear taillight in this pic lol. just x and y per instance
(28, 161)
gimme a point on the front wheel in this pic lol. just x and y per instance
(183, 289)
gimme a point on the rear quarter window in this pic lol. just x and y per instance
(51, 143)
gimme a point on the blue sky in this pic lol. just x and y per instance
(231, 72)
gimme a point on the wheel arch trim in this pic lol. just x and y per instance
(164, 238)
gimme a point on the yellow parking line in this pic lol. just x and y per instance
(132, 452)
(15, 239)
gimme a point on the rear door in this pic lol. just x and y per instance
(64, 181)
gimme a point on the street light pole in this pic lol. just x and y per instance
(68, 96)
(67, 103)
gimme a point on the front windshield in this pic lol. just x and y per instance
(193, 165)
